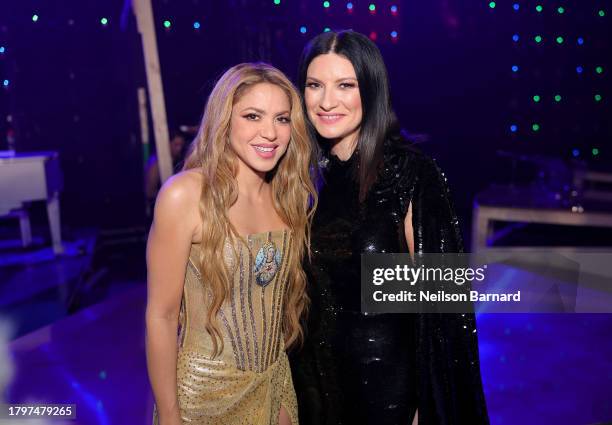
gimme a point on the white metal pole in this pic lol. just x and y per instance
(146, 27)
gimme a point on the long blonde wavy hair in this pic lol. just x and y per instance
(294, 195)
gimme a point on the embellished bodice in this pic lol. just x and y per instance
(250, 319)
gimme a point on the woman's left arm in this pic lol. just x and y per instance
(447, 342)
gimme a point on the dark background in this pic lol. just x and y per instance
(72, 82)
(68, 83)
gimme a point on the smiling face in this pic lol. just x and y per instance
(260, 127)
(332, 98)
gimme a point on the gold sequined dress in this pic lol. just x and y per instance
(251, 379)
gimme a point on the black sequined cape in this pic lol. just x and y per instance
(356, 369)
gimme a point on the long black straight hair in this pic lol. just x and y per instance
(379, 122)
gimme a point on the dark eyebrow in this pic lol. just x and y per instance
(337, 81)
(261, 111)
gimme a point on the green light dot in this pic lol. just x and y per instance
(599, 69)
(561, 10)
(538, 39)
(372, 7)
(597, 98)
(167, 24)
(34, 18)
(558, 98)
(536, 127)
(536, 98)
(539, 8)
(104, 21)
(601, 13)
(560, 40)
(492, 5)
(326, 29)
(325, 4)
(595, 151)
(277, 2)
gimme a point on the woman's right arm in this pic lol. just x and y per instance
(168, 247)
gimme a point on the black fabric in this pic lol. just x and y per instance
(378, 369)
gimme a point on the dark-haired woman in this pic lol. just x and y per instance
(378, 195)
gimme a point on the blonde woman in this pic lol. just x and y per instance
(224, 259)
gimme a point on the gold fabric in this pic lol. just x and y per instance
(250, 380)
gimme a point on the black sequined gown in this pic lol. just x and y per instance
(378, 369)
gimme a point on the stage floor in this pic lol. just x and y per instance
(94, 359)
(537, 369)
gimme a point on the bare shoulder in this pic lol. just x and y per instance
(181, 188)
(179, 197)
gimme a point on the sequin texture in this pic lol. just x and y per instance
(379, 369)
(251, 379)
